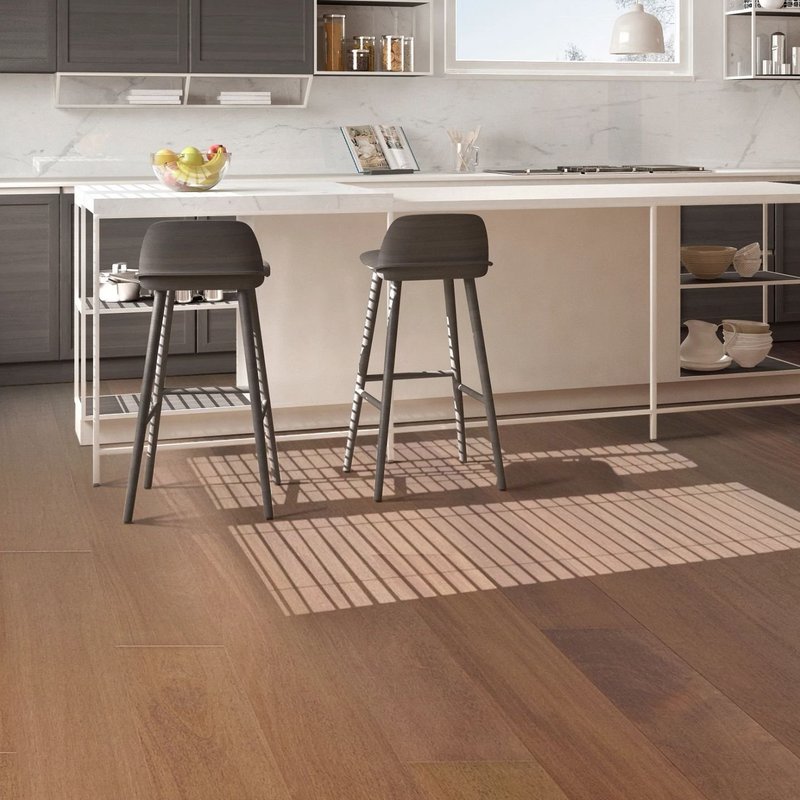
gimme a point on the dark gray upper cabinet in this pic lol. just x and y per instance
(252, 36)
(123, 35)
(29, 312)
(28, 36)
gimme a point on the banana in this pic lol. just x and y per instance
(217, 161)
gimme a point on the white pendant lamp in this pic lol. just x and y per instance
(637, 32)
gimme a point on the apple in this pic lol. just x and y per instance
(191, 156)
(214, 147)
(164, 156)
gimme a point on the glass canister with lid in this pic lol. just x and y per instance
(333, 32)
(392, 53)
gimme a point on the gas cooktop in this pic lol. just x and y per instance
(592, 168)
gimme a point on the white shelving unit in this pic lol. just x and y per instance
(377, 18)
(109, 90)
(741, 28)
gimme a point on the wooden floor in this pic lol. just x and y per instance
(622, 624)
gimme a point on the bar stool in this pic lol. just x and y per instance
(423, 247)
(213, 255)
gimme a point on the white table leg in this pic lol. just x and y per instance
(653, 300)
(95, 352)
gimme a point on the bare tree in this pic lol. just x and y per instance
(573, 53)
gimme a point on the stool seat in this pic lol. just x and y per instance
(423, 271)
(201, 254)
(205, 254)
(423, 247)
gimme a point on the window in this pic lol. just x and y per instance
(559, 37)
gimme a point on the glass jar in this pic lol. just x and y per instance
(333, 31)
(366, 43)
(358, 60)
(392, 53)
(408, 54)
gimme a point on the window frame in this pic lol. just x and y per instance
(683, 68)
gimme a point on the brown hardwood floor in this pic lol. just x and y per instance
(620, 625)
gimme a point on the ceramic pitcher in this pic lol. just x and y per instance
(702, 345)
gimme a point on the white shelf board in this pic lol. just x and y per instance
(771, 367)
(731, 280)
(204, 399)
(145, 306)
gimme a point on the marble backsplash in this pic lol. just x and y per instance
(525, 122)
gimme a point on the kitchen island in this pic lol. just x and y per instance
(581, 308)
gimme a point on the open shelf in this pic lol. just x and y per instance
(769, 366)
(762, 12)
(145, 305)
(111, 90)
(176, 401)
(733, 279)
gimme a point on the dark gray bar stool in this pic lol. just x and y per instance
(424, 247)
(211, 255)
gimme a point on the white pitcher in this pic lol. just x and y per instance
(702, 346)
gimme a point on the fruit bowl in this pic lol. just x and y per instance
(190, 170)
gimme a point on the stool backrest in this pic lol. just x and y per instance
(422, 240)
(191, 249)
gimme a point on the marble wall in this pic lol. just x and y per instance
(538, 122)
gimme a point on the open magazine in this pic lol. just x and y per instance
(379, 148)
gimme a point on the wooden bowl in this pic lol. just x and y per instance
(707, 261)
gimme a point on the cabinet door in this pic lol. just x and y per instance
(787, 252)
(216, 331)
(29, 312)
(120, 334)
(734, 226)
(123, 35)
(252, 36)
(28, 36)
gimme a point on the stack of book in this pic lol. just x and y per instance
(244, 98)
(155, 97)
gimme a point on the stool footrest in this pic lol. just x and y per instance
(370, 398)
(472, 393)
(410, 376)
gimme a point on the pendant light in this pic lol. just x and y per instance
(636, 32)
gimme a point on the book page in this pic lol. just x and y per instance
(365, 147)
(397, 153)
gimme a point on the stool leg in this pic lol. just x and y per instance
(145, 402)
(246, 317)
(486, 384)
(363, 368)
(388, 384)
(455, 366)
(263, 384)
(158, 390)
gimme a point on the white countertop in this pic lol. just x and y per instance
(311, 197)
(235, 198)
(589, 195)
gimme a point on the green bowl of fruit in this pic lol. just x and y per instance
(191, 170)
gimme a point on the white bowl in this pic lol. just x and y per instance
(746, 266)
(748, 357)
(745, 326)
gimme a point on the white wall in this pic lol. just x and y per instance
(525, 121)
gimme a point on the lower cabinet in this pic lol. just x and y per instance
(30, 312)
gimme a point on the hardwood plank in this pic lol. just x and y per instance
(9, 777)
(40, 512)
(588, 747)
(197, 727)
(706, 618)
(486, 781)
(147, 571)
(74, 730)
(428, 708)
(721, 749)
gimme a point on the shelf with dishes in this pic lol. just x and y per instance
(745, 347)
(145, 305)
(761, 43)
(184, 90)
(378, 38)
